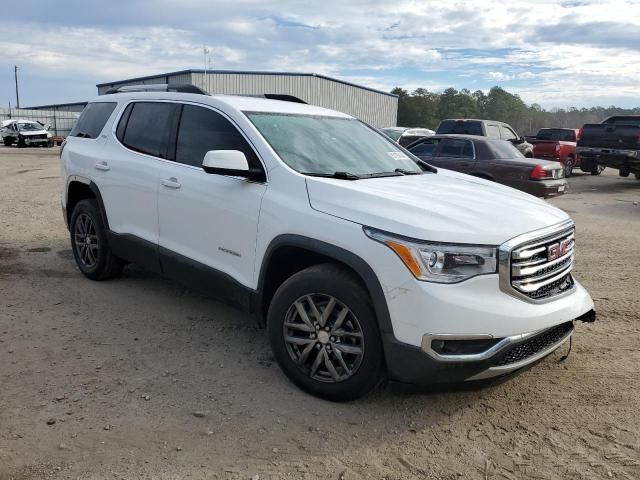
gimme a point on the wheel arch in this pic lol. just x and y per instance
(78, 190)
(288, 254)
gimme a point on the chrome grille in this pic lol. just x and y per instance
(535, 267)
(538, 268)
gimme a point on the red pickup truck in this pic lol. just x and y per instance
(557, 144)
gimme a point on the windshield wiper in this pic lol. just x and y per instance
(338, 175)
(408, 172)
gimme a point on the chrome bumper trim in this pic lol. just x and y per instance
(512, 367)
(471, 357)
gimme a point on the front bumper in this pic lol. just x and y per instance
(508, 355)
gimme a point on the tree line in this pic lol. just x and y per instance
(422, 108)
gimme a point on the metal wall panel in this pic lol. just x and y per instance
(377, 109)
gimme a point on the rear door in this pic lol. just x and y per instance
(208, 220)
(455, 154)
(129, 170)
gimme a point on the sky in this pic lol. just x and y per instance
(558, 54)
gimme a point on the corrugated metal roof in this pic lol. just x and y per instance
(242, 72)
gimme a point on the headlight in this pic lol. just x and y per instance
(439, 262)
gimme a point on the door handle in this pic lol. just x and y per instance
(102, 166)
(171, 183)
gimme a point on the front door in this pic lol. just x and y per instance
(208, 222)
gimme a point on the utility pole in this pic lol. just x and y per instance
(15, 73)
(206, 51)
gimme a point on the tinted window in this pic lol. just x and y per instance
(623, 121)
(201, 130)
(502, 149)
(92, 120)
(563, 135)
(507, 133)
(148, 129)
(425, 149)
(460, 127)
(493, 131)
(457, 148)
(122, 125)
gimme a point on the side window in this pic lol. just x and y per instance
(123, 122)
(507, 133)
(426, 148)
(457, 148)
(149, 127)
(493, 131)
(93, 119)
(202, 129)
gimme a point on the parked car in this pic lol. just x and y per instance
(25, 133)
(557, 144)
(613, 143)
(492, 159)
(363, 262)
(405, 136)
(485, 128)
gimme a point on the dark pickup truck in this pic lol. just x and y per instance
(613, 143)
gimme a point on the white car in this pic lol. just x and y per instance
(25, 133)
(363, 262)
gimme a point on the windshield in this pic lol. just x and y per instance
(503, 149)
(393, 133)
(325, 145)
(29, 127)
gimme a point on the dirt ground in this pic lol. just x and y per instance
(140, 378)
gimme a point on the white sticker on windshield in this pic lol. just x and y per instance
(398, 155)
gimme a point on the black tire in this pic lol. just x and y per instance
(100, 263)
(7, 142)
(637, 175)
(568, 167)
(597, 169)
(21, 143)
(328, 281)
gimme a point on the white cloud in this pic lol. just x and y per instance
(461, 43)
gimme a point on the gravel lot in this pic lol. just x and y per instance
(140, 378)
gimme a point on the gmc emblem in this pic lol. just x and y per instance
(559, 249)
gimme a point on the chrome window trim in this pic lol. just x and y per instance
(504, 259)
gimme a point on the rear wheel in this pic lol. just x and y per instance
(7, 142)
(568, 167)
(89, 243)
(637, 175)
(324, 333)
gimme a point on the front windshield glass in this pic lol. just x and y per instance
(503, 149)
(325, 145)
(393, 133)
(28, 127)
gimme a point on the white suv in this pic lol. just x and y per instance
(363, 262)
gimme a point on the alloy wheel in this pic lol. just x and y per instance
(86, 241)
(324, 338)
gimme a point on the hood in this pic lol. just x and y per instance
(29, 133)
(442, 207)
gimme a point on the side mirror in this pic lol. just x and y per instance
(517, 141)
(229, 162)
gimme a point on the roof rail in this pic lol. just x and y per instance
(272, 96)
(158, 87)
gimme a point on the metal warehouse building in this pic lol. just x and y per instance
(375, 107)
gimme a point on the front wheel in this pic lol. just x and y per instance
(89, 243)
(7, 142)
(324, 333)
(637, 175)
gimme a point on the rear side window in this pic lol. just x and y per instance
(623, 121)
(201, 130)
(493, 131)
(93, 119)
(507, 134)
(149, 127)
(457, 148)
(425, 149)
